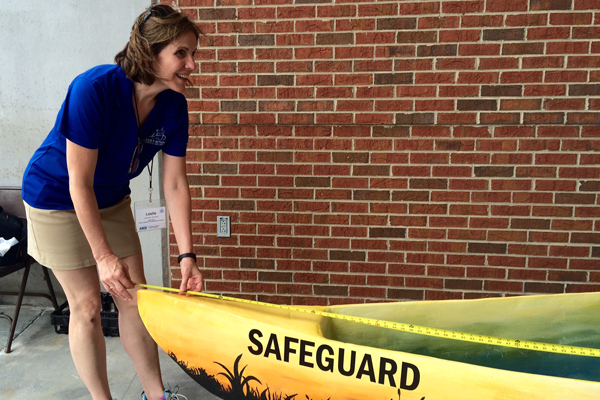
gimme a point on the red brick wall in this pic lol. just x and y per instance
(370, 151)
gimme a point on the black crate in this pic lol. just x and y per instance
(109, 314)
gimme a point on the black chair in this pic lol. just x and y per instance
(10, 200)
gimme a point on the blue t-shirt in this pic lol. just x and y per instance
(98, 113)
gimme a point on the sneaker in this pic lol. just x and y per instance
(167, 395)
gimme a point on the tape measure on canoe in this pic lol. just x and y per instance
(411, 328)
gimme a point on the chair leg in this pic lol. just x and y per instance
(13, 326)
(50, 288)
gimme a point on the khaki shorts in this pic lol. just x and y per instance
(56, 240)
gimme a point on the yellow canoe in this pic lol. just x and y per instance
(251, 351)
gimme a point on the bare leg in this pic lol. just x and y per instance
(135, 338)
(86, 340)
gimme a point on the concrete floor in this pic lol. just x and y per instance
(40, 365)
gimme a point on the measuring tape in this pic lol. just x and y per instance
(419, 330)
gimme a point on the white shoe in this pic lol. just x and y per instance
(167, 395)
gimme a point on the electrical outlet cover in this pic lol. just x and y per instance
(223, 226)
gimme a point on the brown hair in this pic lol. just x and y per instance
(152, 31)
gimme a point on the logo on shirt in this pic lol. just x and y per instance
(158, 138)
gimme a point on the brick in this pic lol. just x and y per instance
(567, 276)
(377, 170)
(195, 180)
(487, 223)
(256, 40)
(387, 232)
(500, 6)
(439, 22)
(571, 18)
(582, 61)
(347, 255)
(410, 195)
(548, 237)
(539, 5)
(294, 66)
(394, 51)
(487, 248)
(589, 186)
(501, 91)
(427, 283)
(434, 209)
(482, 20)
(416, 37)
(538, 287)
(503, 34)
(265, 276)
(351, 158)
(544, 62)
(408, 294)
(436, 295)
(468, 105)
(494, 172)
(544, 118)
(238, 106)
(503, 286)
(354, 105)
(312, 182)
(205, 14)
(529, 223)
(237, 205)
(334, 39)
(568, 104)
(425, 78)
(521, 77)
(548, 33)
(463, 284)
(315, 106)
(567, 48)
(574, 288)
(459, 35)
(434, 105)
(522, 48)
(300, 12)
(575, 198)
(336, 11)
(415, 119)
(393, 79)
(593, 238)
(486, 49)
(581, 118)
(585, 32)
(361, 291)
(396, 23)
(545, 90)
(371, 195)
(584, 90)
(437, 50)
(428, 184)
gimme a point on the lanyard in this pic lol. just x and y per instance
(150, 166)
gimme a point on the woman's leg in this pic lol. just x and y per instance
(136, 340)
(86, 340)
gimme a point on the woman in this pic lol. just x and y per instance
(115, 118)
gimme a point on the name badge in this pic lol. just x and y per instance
(150, 215)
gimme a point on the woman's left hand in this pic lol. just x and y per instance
(191, 277)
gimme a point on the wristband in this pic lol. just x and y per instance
(185, 255)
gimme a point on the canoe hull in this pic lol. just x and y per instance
(242, 351)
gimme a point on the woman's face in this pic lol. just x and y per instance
(175, 62)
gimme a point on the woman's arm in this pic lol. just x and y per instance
(177, 194)
(81, 165)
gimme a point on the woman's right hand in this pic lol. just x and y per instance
(114, 275)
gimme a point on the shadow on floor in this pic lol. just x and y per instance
(40, 365)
